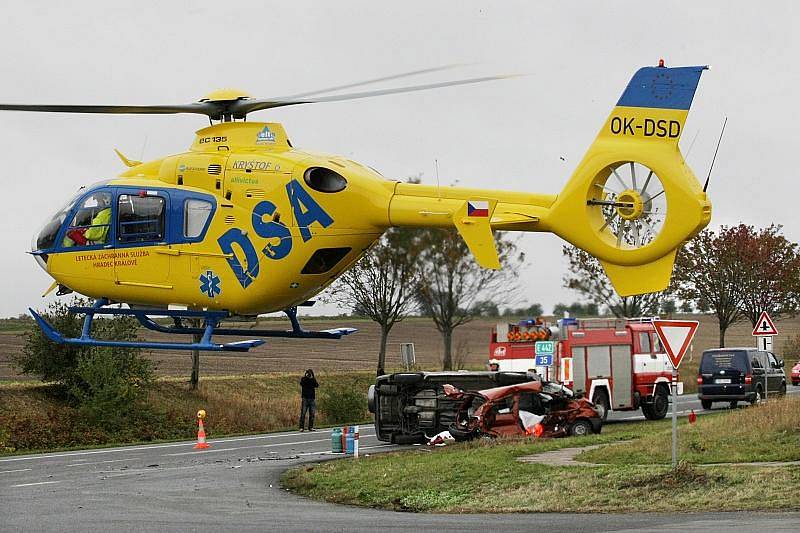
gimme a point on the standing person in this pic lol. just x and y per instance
(308, 395)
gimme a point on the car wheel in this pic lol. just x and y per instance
(782, 390)
(408, 378)
(706, 404)
(734, 404)
(371, 398)
(580, 428)
(600, 401)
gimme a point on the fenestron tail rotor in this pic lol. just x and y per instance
(228, 105)
(632, 202)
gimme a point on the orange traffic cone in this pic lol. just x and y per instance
(201, 436)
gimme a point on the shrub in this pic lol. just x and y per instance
(346, 403)
(110, 386)
(105, 383)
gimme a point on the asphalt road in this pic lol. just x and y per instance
(234, 486)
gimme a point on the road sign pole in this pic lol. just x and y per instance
(674, 417)
(767, 367)
(676, 337)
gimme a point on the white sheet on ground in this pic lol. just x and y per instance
(529, 419)
(440, 439)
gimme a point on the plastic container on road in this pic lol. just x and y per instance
(350, 442)
(336, 440)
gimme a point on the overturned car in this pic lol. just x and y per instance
(412, 407)
(534, 408)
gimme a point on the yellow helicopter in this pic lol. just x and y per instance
(244, 223)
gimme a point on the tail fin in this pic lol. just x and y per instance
(632, 201)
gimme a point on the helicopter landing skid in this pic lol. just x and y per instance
(211, 321)
(297, 331)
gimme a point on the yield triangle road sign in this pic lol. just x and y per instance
(675, 335)
(765, 326)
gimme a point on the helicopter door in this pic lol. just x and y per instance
(141, 230)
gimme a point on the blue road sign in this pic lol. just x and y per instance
(544, 360)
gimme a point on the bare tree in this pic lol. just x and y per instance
(381, 284)
(451, 283)
(586, 276)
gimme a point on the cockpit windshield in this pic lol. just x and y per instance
(47, 236)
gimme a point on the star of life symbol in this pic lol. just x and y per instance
(265, 136)
(209, 284)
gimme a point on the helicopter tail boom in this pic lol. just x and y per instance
(631, 202)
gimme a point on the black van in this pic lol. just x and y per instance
(738, 374)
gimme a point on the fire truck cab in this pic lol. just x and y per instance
(618, 364)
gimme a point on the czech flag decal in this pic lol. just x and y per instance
(478, 208)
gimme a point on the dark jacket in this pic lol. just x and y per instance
(308, 385)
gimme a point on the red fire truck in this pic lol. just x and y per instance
(618, 364)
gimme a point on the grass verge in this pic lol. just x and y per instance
(767, 432)
(38, 417)
(485, 477)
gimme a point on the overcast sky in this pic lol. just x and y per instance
(508, 134)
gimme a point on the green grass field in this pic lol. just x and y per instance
(38, 417)
(486, 477)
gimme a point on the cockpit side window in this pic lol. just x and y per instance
(140, 218)
(92, 222)
(195, 216)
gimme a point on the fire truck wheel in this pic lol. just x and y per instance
(600, 401)
(660, 404)
(580, 428)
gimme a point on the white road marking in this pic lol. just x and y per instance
(157, 446)
(247, 447)
(12, 471)
(102, 462)
(32, 484)
(341, 454)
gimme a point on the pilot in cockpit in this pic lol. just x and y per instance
(91, 223)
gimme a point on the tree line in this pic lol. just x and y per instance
(734, 273)
(430, 271)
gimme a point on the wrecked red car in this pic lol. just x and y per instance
(535, 408)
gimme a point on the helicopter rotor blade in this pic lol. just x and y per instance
(242, 107)
(373, 80)
(223, 110)
(201, 108)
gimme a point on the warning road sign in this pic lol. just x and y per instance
(765, 326)
(675, 335)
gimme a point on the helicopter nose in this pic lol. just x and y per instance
(40, 260)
